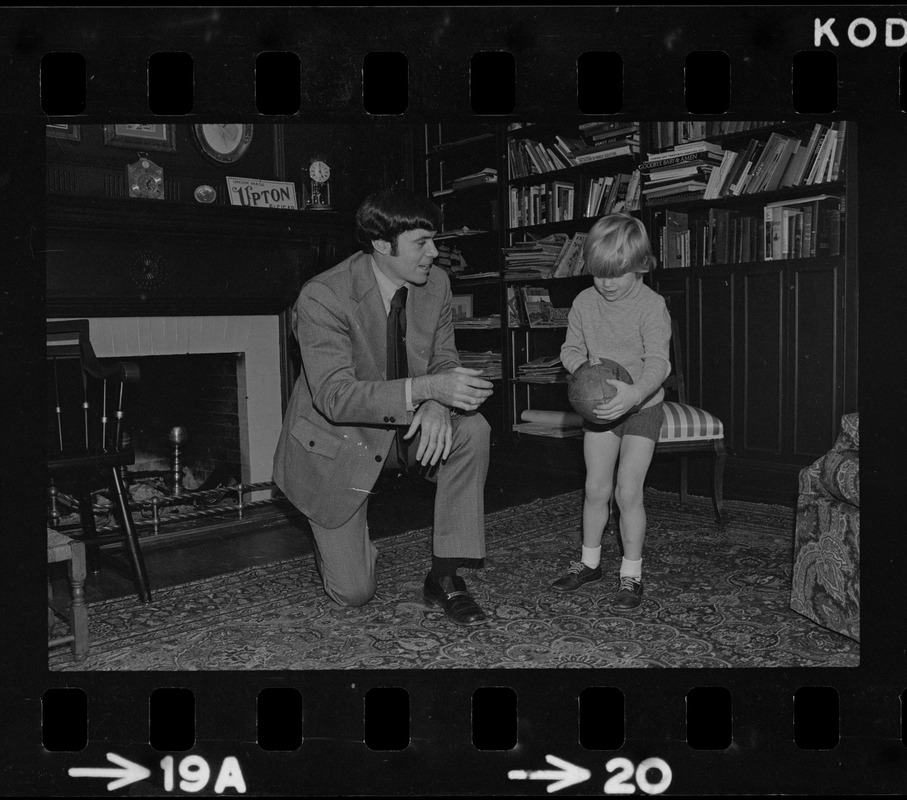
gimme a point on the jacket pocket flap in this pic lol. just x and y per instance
(316, 439)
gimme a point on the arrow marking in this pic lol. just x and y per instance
(127, 772)
(566, 775)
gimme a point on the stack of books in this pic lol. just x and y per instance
(544, 369)
(491, 321)
(535, 258)
(595, 141)
(450, 259)
(489, 362)
(603, 140)
(485, 176)
(542, 422)
(683, 172)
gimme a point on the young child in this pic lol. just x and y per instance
(622, 319)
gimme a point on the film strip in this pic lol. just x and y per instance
(785, 729)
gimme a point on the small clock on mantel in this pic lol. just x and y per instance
(224, 142)
(316, 184)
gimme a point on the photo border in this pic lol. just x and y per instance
(441, 758)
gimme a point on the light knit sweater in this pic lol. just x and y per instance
(634, 331)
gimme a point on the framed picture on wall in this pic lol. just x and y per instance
(64, 131)
(461, 306)
(151, 136)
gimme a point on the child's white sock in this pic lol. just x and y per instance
(592, 556)
(631, 569)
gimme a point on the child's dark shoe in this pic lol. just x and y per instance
(576, 576)
(628, 596)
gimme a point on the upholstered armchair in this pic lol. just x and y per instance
(826, 576)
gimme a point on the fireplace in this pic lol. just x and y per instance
(178, 280)
(241, 424)
(193, 399)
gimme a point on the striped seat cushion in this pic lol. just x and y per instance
(683, 423)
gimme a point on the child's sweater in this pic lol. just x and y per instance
(634, 331)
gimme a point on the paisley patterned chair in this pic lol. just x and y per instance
(826, 577)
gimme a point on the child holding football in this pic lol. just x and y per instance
(621, 319)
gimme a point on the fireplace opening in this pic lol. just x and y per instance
(199, 394)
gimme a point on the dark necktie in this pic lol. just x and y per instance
(397, 366)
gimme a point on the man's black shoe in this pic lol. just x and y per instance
(450, 594)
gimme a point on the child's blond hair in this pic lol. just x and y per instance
(618, 244)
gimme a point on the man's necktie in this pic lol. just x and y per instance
(397, 366)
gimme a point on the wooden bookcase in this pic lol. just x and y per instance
(770, 343)
(459, 168)
(771, 338)
(539, 174)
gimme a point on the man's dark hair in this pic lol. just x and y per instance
(388, 213)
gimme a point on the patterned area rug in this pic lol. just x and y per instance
(714, 597)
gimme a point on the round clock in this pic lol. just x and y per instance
(226, 142)
(319, 171)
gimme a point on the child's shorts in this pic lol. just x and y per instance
(646, 422)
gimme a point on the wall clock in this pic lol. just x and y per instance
(317, 185)
(146, 179)
(224, 142)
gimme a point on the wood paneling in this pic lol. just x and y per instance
(134, 257)
(816, 357)
(763, 360)
(712, 383)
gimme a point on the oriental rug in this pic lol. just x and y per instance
(715, 596)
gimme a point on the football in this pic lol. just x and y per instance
(590, 388)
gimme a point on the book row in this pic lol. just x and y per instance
(668, 134)
(808, 227)
(561, 201)
(705, 170)
(781, 161)
(527, 156)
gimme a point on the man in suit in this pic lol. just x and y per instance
(370, 397)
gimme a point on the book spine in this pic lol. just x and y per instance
(809, 243)
(586, 158)
(839, 152)
(767, 232)
(834, 233)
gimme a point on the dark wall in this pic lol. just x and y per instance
(362, 157)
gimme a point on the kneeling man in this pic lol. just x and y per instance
(381, 387)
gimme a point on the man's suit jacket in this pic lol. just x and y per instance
(343, 412)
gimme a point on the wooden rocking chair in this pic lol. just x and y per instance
(85, 438)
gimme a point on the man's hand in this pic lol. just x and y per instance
(437, 432)
(627, 397)
(459, 387)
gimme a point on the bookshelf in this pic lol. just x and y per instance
(460, 165)
(760, 268)
(770, 323)
(560, 180)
